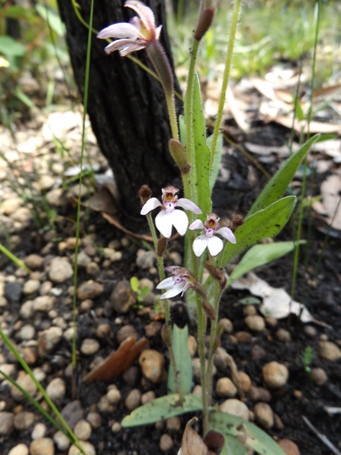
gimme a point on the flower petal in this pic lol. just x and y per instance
(215, 245)
(164, 223)
(197, 224)
(150, 205)
(179, 220)
(189, 205)
(125, 46)
(227, 234)
(176, 290)
(120, 30)
(146, 16)
(158, 31)
(166, 283)
(199, 245)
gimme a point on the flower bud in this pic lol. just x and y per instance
(179, 155)
(217, 274)
(144, 194)
(161, 246)
(237, 221)
(166, 335)
(204, 23)
(214, 441)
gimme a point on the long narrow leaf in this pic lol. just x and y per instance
(260, 255)
(276, 187)
(265, 223)
(216, 160)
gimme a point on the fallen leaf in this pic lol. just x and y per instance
(117, 362)
(302, 126)
(277, 302)
(331, 194)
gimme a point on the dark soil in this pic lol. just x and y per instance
(301, 397)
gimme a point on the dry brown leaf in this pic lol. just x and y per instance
(117, 362)
(331, 194)
(326, 91)
(193, 444)
(302, 126)
(238, 114)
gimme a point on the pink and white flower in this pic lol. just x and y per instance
(169, 215)
(135, 35)
(209, 239)
(177, 284)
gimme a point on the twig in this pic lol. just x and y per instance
(322, 437)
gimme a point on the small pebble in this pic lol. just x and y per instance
(249, 310)
(44, 303)
(289, 447)
(244, 337)
(125, 332)
(145, 259)
(23, 420)
(116, 427)
(192, 345)
(226, 388)
(235, 407)
(31, 287)
(38, 431)
(244, 380)
(310, 331)
(255, 323)
(226, 324)
(6, 423)
(264, 415)
(89, 449)
(95, 419)
(275, 374)
(48, 340)
(283, 335)
(42, 446)
(56, 389)
(89, 290)
(148, 397)
(114, 396)
(89, 346)
(82, 430)
(174, 423)
(319, 376)
(20, 449)
(152, 364)
(259, 394)
(133, 399)
(26, 383)
(166, 443)
(61, 441)
(123, 297)
(329, 351)
(60, 270)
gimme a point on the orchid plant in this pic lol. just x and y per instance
(198, 159)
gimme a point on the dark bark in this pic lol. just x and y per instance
(126, 105)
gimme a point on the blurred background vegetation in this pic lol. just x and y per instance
(34, 65)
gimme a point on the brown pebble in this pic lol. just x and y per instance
(166, 443)
(289, 447)
(278, 424)
(152, 328)
(244, 337)
(125, 332)
(245, 380)
(264, 415)
(283, 335)
(257, 352)
(275, 374)
(259, 394)
(319, 376)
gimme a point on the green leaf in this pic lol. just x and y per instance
(217, 159)
(183, 362)
(250, 301)
(298, 109)
(134, 283)
(265, 223)
(201, 153)
(162, 408)
(277, 185)
(52, 18)
(260, 255)
(247, 432)
(10, 47)
(232, 446)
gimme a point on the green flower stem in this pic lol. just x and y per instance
(41, 389)
(189, 124)
(203, 377)
(213, 336)
(160, 62)
(235, 17)
(161, 270)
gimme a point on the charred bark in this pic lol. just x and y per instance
(126, 105)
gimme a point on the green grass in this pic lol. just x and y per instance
(269, 32)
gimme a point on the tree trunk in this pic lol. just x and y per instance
(126, 105)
